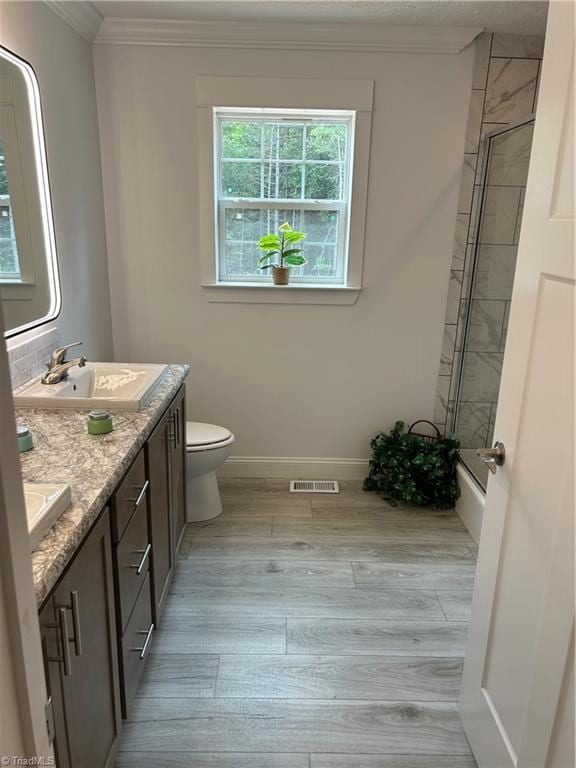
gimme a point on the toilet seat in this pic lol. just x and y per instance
(203, 437)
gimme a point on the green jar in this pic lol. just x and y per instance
(24, 437)
(99, 423)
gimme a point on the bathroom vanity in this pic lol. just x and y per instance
(102, 572)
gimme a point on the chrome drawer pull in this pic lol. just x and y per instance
(173, 434)
(62, 627)
(144, 553)
(137, 501)
(76, 622)
(148, 633)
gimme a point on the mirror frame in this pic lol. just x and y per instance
(45, 197)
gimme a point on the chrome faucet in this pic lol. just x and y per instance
(58, 366)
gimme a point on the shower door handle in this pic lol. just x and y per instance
(493, 457)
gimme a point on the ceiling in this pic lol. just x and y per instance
(509, 16)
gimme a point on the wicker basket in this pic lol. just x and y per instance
(428, 438)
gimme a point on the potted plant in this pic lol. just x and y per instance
(280, 254)
(414, 468)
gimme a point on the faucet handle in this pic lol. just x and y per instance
(58, 356)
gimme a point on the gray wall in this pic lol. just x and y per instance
(504, 89)
(290, 381)
(64, 67)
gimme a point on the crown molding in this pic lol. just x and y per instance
(81, 16)
(292, 36)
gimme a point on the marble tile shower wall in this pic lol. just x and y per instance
(29, 359)
(505, 87)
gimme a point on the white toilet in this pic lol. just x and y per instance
(207, 446)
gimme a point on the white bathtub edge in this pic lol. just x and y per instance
(470, 505)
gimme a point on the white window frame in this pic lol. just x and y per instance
(222, 204)
(251, 95)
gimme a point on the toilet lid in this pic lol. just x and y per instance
(198, 433)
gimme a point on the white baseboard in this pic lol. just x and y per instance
(296, 468)
(470, 505)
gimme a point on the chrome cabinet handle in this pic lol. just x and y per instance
(75, 605)
(62, 626)
(148, 633)
(493, 457)
(173, 434)
(138, 500)
(144, 553)
(64, 640)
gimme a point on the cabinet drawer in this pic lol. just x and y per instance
(130, 494)
(135, 645)
(133, 553)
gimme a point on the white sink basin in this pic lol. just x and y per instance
(44, 505)
(120, 386)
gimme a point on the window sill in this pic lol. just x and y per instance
(17, 290)
(267, 293)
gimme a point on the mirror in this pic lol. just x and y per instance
(29, 284)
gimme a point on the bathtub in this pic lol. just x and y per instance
(470, 505)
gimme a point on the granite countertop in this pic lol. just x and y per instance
(92, 465)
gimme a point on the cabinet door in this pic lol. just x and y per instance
(178, 464)
(82, 673)
(159, 511)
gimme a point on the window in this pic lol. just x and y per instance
(9, 266)
(298, 153)
(273, 166)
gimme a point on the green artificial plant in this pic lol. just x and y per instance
(279, 249)
(407, 467)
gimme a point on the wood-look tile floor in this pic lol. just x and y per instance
(309, 631)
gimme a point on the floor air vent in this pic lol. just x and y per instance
(314, 486)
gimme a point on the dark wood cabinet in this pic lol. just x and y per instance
(80, 654)
(135, 644)
(98, 623)
(178, 464)
(158, 454)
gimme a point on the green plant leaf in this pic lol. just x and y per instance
(268, 242)
(285, 227)
(266, 256)
(266, 266)
(295, 261)
(293, 237)
(292, 251)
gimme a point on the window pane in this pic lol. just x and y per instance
(320, 226)
(241, 139)
(326, 141)
(243, 227)
(241, 179)
(8, 250)
(3, 177)
(321, 261)
(242, 224)
(324, 182)
(283, 141)
(241, 259)
(282, 181)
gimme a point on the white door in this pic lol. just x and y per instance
(516, 701)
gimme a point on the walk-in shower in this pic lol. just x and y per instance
(490, 278)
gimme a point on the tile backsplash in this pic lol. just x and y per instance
(29, 358)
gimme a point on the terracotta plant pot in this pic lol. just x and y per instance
(280, 275)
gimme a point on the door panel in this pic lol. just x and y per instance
(91, 691)
(178, 464)
(523, 608)
(158, 472)
(52, 652)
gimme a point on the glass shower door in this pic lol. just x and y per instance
(501, 200)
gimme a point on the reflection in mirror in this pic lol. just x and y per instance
(29, 286)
